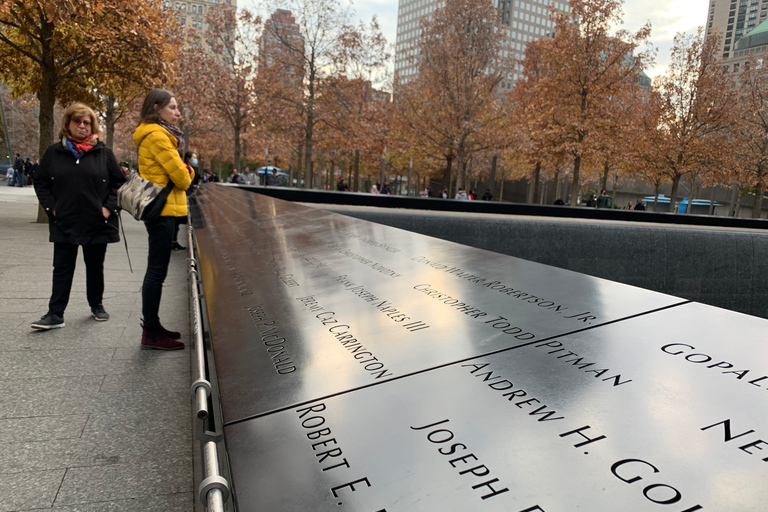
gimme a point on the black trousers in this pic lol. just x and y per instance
(160, 232)
(64, 262)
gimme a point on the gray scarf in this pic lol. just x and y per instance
(176, 132)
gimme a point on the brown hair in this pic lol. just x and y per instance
(155, 100)
(78, 111)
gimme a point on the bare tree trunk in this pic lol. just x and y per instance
(109, 120)
(757, 209)
(356, 187)
(604, 178)
(460, 167)
(448, 175)
(236, 129)
(46, 95)
(536, 182)
(492, 178)
(657, 188)
(410, 177)
(575, 184)
(673, 194)
(300, 183)
(308, 153)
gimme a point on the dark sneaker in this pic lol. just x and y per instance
(49, 321)
(152, 339)
(99, 314)
(178, 247)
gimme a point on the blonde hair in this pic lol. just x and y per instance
(78, 111)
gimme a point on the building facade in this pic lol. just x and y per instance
(524, 21)
(732, 20)
(192, 14)
(281, 43)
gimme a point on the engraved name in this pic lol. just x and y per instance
(465, 463)
(271, 338)
(343, 334)
(688, 353)
(574, 359)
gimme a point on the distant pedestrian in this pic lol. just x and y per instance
(629, 206)
(559, 202)
(27, 171)
(77, 183)
(376, 188)
(249, 177)
(603, 201)
(274, 179)
(592, 201)
(640, 206)
(461, 195)
(385, 189)
(341, 186)
(487, 196)
(444, 193)
(18, 171)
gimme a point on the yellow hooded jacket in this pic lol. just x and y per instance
(159, 161)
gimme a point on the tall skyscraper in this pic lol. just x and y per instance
(281, 47)
(733, 19)
(524, 21)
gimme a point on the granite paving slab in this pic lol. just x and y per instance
(29, 490)
(84, 401)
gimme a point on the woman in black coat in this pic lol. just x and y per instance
(77, 183)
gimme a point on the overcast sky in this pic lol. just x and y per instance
(667, 18)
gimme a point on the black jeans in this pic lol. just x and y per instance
(64, 262)
(160, 232)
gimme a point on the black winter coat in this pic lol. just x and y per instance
(77, 190)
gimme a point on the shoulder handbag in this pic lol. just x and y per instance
(143, 199)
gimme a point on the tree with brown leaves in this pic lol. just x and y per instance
(590, 71)
(309, 50)
(58, 49)
(452, 106)
(697, 106)
(751, 131)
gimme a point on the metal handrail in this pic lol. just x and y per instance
(214, 489)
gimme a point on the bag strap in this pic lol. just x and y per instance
(120, 220)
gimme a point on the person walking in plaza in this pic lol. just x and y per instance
(76, 184)
(18, 172)
(274, 180)
(159, 141)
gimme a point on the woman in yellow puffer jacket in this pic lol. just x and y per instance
(159, 141)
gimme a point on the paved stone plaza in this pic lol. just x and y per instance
(88, 421)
